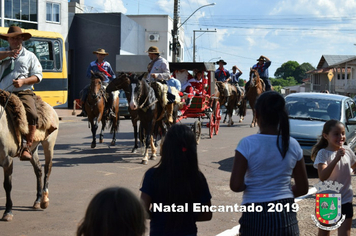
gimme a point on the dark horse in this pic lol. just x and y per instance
(95, 108)
(255, 89)
(235, 101)
(123, 81)
(143, 100)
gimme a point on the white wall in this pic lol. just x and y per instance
(161, 25)
(61, 27)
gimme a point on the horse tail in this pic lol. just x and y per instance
(242, 108)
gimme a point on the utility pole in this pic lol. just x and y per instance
(175, 43)
(194, 39)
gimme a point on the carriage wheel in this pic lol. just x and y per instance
(217, 118)
(211, 125)
(197, 130)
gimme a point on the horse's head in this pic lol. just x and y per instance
(122, 81)
(96, 83)
(138, 85)
(254, 77)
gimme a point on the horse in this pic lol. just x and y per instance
(255, 89)
(123, 81)
(14, 125)
(235, 101)
(143, 100)
(95, 109)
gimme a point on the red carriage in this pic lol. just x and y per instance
(204, 106)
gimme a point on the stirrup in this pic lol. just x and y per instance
(26, 154)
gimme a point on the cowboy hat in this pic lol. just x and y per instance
(15, 31)
(221, 60)
(261, 58)
(153, 49)
(101, 51)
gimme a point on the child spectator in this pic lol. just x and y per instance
(113, 211)
(176, 179)
(262, 169)
(334, 161)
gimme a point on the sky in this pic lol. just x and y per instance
(282, 30)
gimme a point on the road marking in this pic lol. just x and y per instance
(235, 230)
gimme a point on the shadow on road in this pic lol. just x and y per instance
(226, 164)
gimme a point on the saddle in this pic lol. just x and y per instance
(16, 111)
(161, 91)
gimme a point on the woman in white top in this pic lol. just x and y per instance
(263, 166)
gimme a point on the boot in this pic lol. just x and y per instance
(26, 153)
(169, 109)
(84, 114)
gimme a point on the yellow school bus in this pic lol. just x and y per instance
(49, 48)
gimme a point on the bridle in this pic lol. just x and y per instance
(96, 96)
(142, 104)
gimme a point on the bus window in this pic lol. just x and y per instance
(57, 54)
(42, 49)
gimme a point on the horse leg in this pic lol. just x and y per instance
(153, 149)
(114, 128)
(48, 149)
(101, 135)
(94, 127)
(8, 186)
(134, 149)
(225, 117)
(146, 144)
(38, 172)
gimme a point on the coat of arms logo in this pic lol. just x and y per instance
(328, 206)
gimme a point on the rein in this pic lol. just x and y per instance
(142, 104)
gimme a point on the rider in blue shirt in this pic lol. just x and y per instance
(99, 65)
(223, 75)
(262, 68)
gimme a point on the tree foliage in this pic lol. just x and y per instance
(293, 69)
(289, 81)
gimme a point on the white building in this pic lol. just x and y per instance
(42, 15)
(159, 33)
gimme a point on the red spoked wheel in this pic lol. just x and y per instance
(217, 117)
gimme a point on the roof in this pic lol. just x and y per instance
(327, 96)
(333, 59)
(203, 66)
(327, 69)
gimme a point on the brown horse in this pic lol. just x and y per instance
(235, 101)
(13, 125)
(255, 89)
(95, 108)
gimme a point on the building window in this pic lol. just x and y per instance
(21, 12)
(53, 11)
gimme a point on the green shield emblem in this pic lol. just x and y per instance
(328, 208)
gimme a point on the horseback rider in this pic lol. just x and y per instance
(20, 69)
(99, 65)
(158, 70)
(223, 75)
(235, 75)
(262, 68)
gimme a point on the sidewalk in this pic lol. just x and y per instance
(68, 114)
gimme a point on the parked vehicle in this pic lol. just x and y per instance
(309, 111)
(124, 105)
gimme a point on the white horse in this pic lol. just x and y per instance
(12, 127)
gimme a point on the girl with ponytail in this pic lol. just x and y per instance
(335, 162)
(263, 166)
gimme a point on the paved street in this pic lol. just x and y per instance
(79, 172)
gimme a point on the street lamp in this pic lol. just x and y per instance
(211, 4)
(214, 58)
(176, 27)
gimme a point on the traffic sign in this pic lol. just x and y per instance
(330, 75)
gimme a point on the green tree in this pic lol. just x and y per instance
(289, 81)
(241, 82)
(293, 69)
(300, 72)
(287, 69)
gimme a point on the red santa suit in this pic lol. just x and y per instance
(198, 86)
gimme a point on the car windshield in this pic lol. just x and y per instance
(313, 108)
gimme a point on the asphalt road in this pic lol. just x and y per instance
(79, 172)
